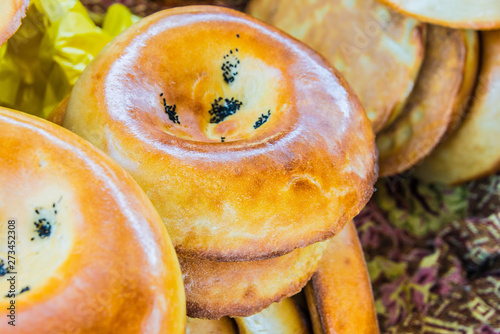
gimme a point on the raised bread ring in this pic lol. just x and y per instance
(92, 253)
(248, 143)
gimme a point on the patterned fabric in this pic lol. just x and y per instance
(433, 254)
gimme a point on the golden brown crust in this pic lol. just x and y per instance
(457, 14)
(293, 181)
(462, 102)
(11, 14)
(340, 293)
(378, 51)
(216, 289)
(120, 273)
(473, 150)
(432, 103)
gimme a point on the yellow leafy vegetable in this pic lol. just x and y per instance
(42, 61)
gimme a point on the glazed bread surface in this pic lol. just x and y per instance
(247, 142)
(92, 253)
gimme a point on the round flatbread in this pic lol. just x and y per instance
(248, 143)
(473, 151)
(216, 289)
(437, 99)
(378, 50)
(459, 14)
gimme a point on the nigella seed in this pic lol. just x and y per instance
(219, 111)
(229, 66)
(262, 119)
(3, 270)
(170, 111)
(25, 289)
(43, 223)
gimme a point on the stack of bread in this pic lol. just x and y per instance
(251, 147)
(214, 163)
(254, 152)
(415, 67)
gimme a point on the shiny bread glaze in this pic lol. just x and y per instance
(93, 254)
(267, 188)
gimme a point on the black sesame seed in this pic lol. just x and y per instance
(44, 229)
(3, 270)
(25, 289)
(220, 111)
(170, 111)
(238, 35)
(262, 119)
